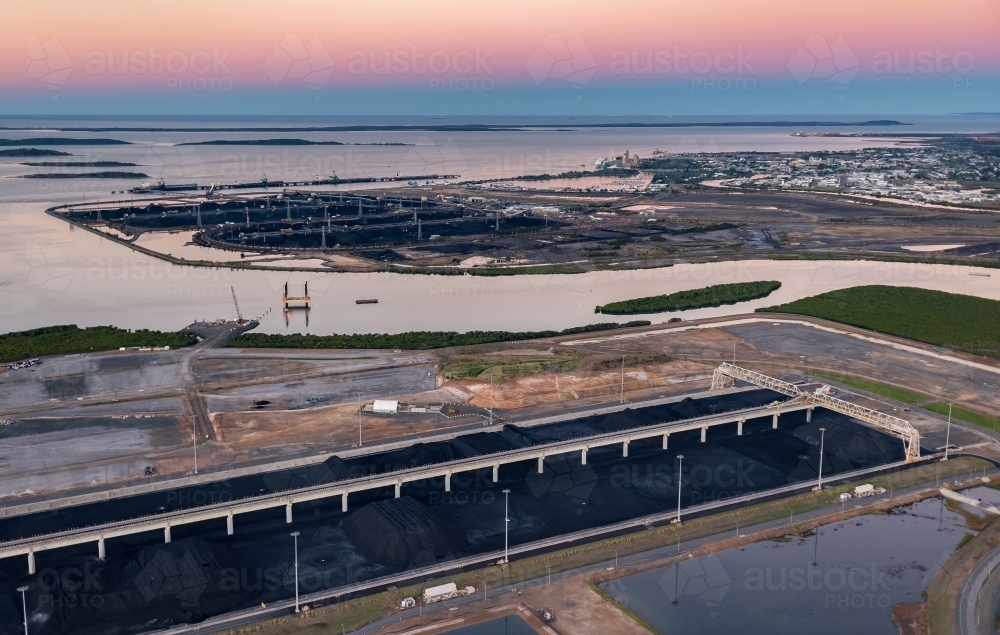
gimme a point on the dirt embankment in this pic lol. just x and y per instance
(909, 618)
(554, 388)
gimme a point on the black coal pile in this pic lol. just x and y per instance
(333, 469)
(179, 582)
(402, 533)
(855, 446)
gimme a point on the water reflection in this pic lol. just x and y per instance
(845, 579)
(506, 625)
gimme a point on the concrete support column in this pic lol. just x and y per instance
(229, 525)
(100, 548)
(624, 448)
(739, 428)
(541, 463)
(774, 421)
(583, 456)
(496, 472)
(809, 415)
(166, 534)
(666, 441)
(31, 563)
(447, 482)
(288, 513)
(343, 503)
(704, 433)
(399, 487)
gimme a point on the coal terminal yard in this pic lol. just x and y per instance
(290, 221)
(145, 584)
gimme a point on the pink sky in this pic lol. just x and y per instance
(237, 41)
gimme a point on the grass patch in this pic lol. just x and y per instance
(505, 367)
(961, 322)
(968, 416)
(621, 607)
(413, 340)
(868, 385)
(68, 339)
(630, 361)
(715, 295)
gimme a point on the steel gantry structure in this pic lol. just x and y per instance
(727, 373)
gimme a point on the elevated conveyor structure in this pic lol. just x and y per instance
(726, 373)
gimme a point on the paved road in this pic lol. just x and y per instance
(968, 602)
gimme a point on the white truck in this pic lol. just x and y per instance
(445, 592)
(867, 489)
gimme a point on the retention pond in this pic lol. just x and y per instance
(842, 578)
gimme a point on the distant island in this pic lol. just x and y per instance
(33, 152)
(280, 142)
(87, 175)
(77, 164)
(474, 127)
(61, 141)
(261, 142)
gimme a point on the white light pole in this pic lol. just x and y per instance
(24, 605)
(680, 463)
(623, 380)
(194, 442)
(506, 522)
(947, 438)
(491, 402)
(822, 438)
(360, 407)
(295, 537)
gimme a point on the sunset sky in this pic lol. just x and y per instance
(511, 57)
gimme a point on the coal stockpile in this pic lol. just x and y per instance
(260, 213)
(365, 232)
(419, 454)
(402, 533)
(380, 534)
(159, 586)
(382, 255)
(309, 221)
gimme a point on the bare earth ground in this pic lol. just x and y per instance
(229, 380)
(554, 388)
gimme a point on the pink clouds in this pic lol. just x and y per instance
(113, 44)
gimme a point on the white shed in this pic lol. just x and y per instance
(385, 406)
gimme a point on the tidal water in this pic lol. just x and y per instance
(53, 274)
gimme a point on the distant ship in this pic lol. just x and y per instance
(373, 301)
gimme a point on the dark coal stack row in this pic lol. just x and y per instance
(402, 533)
(183, 581)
